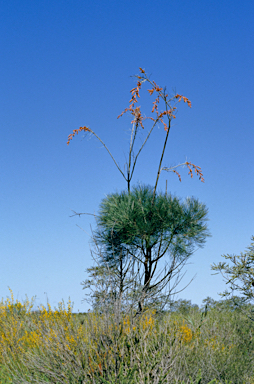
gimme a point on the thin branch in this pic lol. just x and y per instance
(164, 147)
(149, 133)
(130, 152)
(78, 214)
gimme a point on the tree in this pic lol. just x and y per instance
(239, 275)
(209, 303)
(230, 304)
(183, 306)
(115, 284)
(148, 227)
(118, 244)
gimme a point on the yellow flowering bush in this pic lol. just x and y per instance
(57, 346)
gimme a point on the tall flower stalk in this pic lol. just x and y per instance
(163, 117)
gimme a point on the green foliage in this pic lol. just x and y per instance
(144, 228)
(183, 306)
(239, 275)
(128, 378)
(137, 217)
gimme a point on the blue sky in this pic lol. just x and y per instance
(68, 64)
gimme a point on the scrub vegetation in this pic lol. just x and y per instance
(187, 344)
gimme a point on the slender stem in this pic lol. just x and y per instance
(130, 152)
(149, 133)
(159, 170)
(172, 168)
(108, 152)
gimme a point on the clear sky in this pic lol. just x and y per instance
(65, 64)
